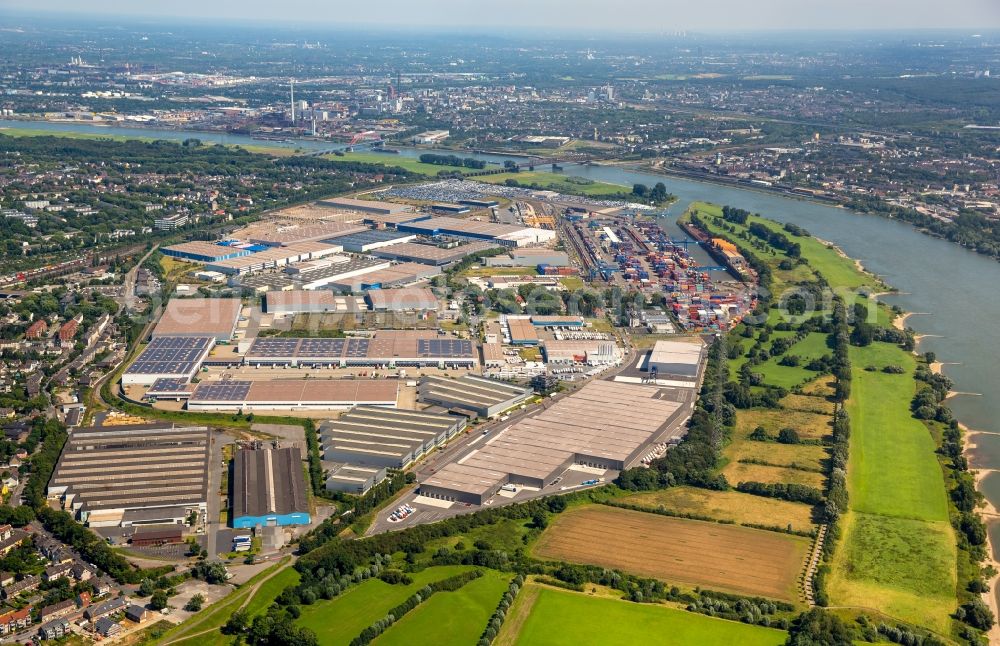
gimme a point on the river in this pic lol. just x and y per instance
(948, 288)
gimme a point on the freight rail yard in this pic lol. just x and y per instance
(357, 313)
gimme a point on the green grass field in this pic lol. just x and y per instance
(271, 589)
(893, 469)
(341, 619)
(411, 164)
(898, 551)
(558, 182)
(457, 617)
(561, 618)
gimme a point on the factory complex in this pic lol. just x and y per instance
(240, 396)
(123, 476)
(605, 425)
(269, 488)
(379, 438)
(471, 395)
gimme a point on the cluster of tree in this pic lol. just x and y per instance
(16, 516)
(735, 215)
(932, 390)
(213, 573)
(746, 610)
(50, 435)
(656, 194)
(908, 636)
(500, 614)
(452, 160)
(395, 577)
(795, 230)
(395, 614)
(276, 627)
(818, 627)
(775, 239)
(782, 490)
(315, 459)
(740, 394)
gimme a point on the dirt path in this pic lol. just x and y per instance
(518, 615)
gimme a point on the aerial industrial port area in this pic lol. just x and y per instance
(329, 334)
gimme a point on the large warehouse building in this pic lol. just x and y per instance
(198, 317)
(369, 240)
(429, 254)
(375, 437)
(200, 251)
(168, 357)
(269, 488)
(605, 425)
(366, 206)
(400, 275)
(401, 300)
(676, 358)
(530, 257)
(387, 348)
(133, 475)
(507, 235)
(295, 301)
(237, 396)
(477, 395)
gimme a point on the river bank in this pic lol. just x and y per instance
(987, 509)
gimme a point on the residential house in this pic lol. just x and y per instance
(15, 620)
(81, 572)
(26, 584)
(12, 541)
(54, 629)
(136, 613)
(58, 571)
(57, 610)
(83, 599)
(6, 578)
(110, 607)
(103, 585)
(107, 627)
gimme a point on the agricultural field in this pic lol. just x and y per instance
(898, 551)
(728, 506)
(697, 553)
(339, 620)
(563, 618)
(456, 617)
(737, 472)
(808, 404)
(810, 426)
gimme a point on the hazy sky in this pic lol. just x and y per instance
(640, 15)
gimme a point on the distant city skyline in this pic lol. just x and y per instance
(623, 15)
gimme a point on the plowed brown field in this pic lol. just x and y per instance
(677, 550)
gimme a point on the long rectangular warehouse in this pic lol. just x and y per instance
(201, 251)
(386, 348)
(507, 235)
(197, 317)
(429, 254)
(269, 488)
(400, 275)
(168, 357)
(128, 475)
(291, 394)
(385, 438)
(479, 395)
(604, 425)
(676, 358)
